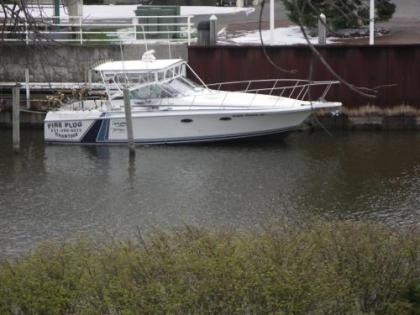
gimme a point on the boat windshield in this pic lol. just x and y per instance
(183, 85)
(153, 91)
(176, 87)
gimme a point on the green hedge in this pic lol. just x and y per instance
(339, 267)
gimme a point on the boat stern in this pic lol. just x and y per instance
(71, 126)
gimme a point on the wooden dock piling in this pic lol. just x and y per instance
(129, 123)
(28, 91)
(16, 118)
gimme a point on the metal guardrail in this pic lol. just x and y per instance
(81, 30)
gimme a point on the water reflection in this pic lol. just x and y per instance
(60, 191)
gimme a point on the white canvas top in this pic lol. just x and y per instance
(137, 65)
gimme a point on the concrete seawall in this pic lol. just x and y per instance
(27, 119)
(69, 63)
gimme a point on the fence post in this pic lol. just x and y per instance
(189, 30)
(129, 123)
(272, 22)
(16, 118)
(372, 22)
(213, 32)
(80, 30)
(28, 91)
(322, 29)
(134, 22)
(26, 33)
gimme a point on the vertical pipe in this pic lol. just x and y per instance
(26, 33)
(90, 78)
(189, 30)
(213, 33)
(134, 23)
(16, 118)
(372, 23)
(272, 22)
(80, 30)
(322, 29)
(28, 91)
(129, 122)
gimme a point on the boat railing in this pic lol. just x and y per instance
(296, 89)
(272, 85)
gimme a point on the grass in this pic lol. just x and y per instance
(336, 267)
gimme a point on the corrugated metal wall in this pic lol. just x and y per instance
(364, 66)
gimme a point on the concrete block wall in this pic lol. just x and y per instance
(69, 63)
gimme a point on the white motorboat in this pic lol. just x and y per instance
(167, 107)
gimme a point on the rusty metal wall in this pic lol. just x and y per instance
(394, 69)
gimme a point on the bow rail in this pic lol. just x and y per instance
(291, 88)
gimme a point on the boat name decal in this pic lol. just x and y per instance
(118, 126)
(65, 129)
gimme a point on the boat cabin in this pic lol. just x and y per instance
(146, 79)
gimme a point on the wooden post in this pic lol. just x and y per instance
(28, 91)
(129, 123)
(322, 29)
(16, 118)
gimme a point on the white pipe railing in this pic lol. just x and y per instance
(78, 29)
(297, 87)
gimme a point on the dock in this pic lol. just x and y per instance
(52, 86)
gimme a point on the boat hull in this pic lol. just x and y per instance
(170, 127)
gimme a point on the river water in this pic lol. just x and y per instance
(59, 192)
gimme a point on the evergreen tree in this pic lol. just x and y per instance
(340, 13)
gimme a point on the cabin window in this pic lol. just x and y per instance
(225, 118)
(169, 74)
(153, 91)
(182, 85)
(121, 78)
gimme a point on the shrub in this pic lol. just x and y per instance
(340, 14)
(339, 267)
